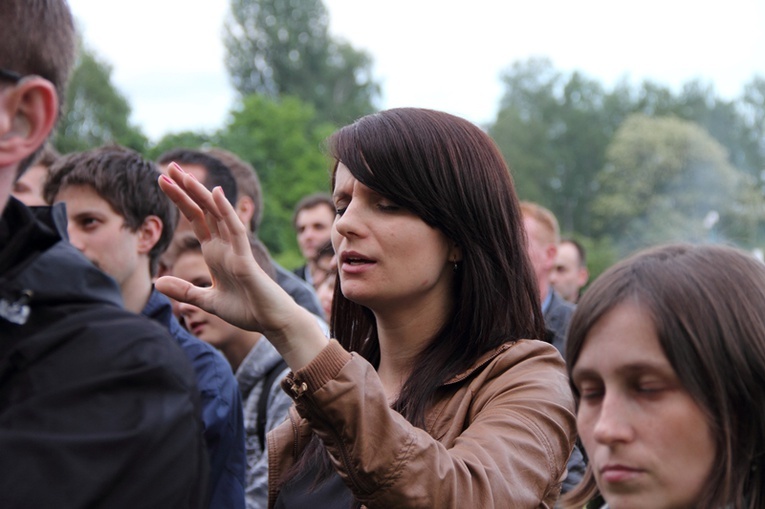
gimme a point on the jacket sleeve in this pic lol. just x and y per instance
(511, 451)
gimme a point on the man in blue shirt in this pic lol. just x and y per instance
(120, 220)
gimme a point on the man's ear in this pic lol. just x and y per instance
(149, 233)
(245, 209)
(28, 112)
(582, 276)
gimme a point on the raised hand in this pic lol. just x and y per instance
(241, 292)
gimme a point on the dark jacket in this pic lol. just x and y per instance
(497, 436)
(300, 291)
(221, 407)
(301, 272)
(557, 317)
(98, 407)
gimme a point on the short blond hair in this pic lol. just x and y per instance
(544, 217)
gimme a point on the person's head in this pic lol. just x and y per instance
(188, 264)
(325, 263)
(666, 353)
(543, 235)
(118, 216)
(312, 219)
(425, 202)
(28, 188)
(570, 273)
(249, 204)
(325, 291)
(37, 51)
(207, 169)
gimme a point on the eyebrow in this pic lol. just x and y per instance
(86, 213)
(633, 368)
(339, 195)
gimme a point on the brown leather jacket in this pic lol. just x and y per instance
(500, 437)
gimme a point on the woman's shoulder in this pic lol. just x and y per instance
(514, 357)
(525, 349)
(525, 365)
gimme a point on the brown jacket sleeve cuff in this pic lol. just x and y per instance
(318, 372)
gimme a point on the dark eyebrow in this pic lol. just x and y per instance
(635, 368)
(86, 213)
(339, 195)
(583, 373)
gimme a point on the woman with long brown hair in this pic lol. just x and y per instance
(435, 393)
(667, 357)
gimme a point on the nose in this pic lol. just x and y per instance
(351, 222)
(183, 310)
(613, 423)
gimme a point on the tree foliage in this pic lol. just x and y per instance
(283, 48)
(184, 139)
(555, 130)
(95, 112)
(283, 141)
(665, 179)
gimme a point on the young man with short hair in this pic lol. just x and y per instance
(570, 274)
(313, 219)
(121, 221)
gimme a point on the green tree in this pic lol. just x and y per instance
(553, 131)
(95, 112)
(666, 179)
(283, 141)
(283, 48)
(185, 139)
(752, 109)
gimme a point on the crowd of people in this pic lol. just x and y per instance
(442, 346)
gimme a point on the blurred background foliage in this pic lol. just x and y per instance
(622, 167)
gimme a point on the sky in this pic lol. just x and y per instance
(167, 55)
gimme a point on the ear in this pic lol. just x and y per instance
(149, 233)
(245, 209)
(28, 112)
(455, 253)
(583, 276)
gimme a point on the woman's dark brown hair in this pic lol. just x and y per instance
(708, 307)
(450, 173)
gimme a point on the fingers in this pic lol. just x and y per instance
(175, 189)
(181, 290)
(210, 213)
(231, 226)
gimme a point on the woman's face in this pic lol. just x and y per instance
(648, 441)
(387, 256)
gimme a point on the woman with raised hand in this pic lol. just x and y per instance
(435, 392)
(667, 358)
